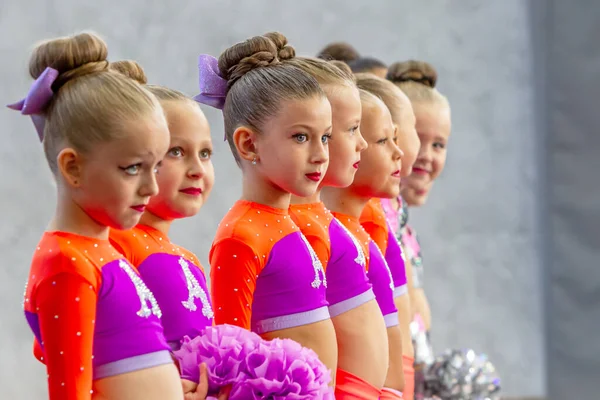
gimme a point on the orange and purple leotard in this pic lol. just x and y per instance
(91, 314)
(406, 235)
(174, 275)
(410, 240)
(347, 284)
(264, 274)
(377, 269)
(373, 219)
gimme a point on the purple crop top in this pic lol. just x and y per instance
(377, 270)
(264, 274)
(175, 277)
(91, 314)
(347, 284)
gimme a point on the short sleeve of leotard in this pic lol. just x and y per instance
(234, 267)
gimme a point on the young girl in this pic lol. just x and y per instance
(432, 111)
(186, 177)
(373, 217)
(378, 175)
(95, 321)
(265, 277)
(358, 322)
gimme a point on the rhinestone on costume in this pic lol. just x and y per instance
(360, 256)
(143, 292)
(195, 291)
(25, 294)
(317, 266)
(387, 267)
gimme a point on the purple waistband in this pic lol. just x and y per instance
(291, 320)
(351, 303)
(391, 320)
(400, 290)
(132, 364)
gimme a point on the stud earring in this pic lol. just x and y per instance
(254, 161)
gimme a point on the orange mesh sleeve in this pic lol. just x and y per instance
(320, 247)
(234, 267)
(37, 351)
(67, 309)
(125, 244)
(378, 233)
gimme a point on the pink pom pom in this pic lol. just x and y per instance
(222, 348)
(283, 369)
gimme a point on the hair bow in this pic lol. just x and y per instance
(213, 88)
(37, 99)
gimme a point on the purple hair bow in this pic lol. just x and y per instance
(213, 88)
(37, 100)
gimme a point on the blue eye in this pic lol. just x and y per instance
(131, 170)
(300, 137)
(325, 138)
(353, 129)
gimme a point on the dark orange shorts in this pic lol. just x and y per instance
(351, 387)
(409, 377)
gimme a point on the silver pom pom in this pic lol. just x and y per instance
(462, 375)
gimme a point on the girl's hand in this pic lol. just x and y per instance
(199, 391)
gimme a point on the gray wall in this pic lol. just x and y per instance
(478, 230)
(571, 66)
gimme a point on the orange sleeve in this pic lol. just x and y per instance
(38, 353)
(67, 309)
(234, 267)
(322, 249)
(378, 234)
(117, 240)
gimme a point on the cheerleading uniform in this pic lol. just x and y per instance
(421, 339)
(377, 269)
(92, 315)
(410, 241)
(265, 276)
(347, 284)
(174, 275)
(374, 221)
(379, 275)
(397, 220)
